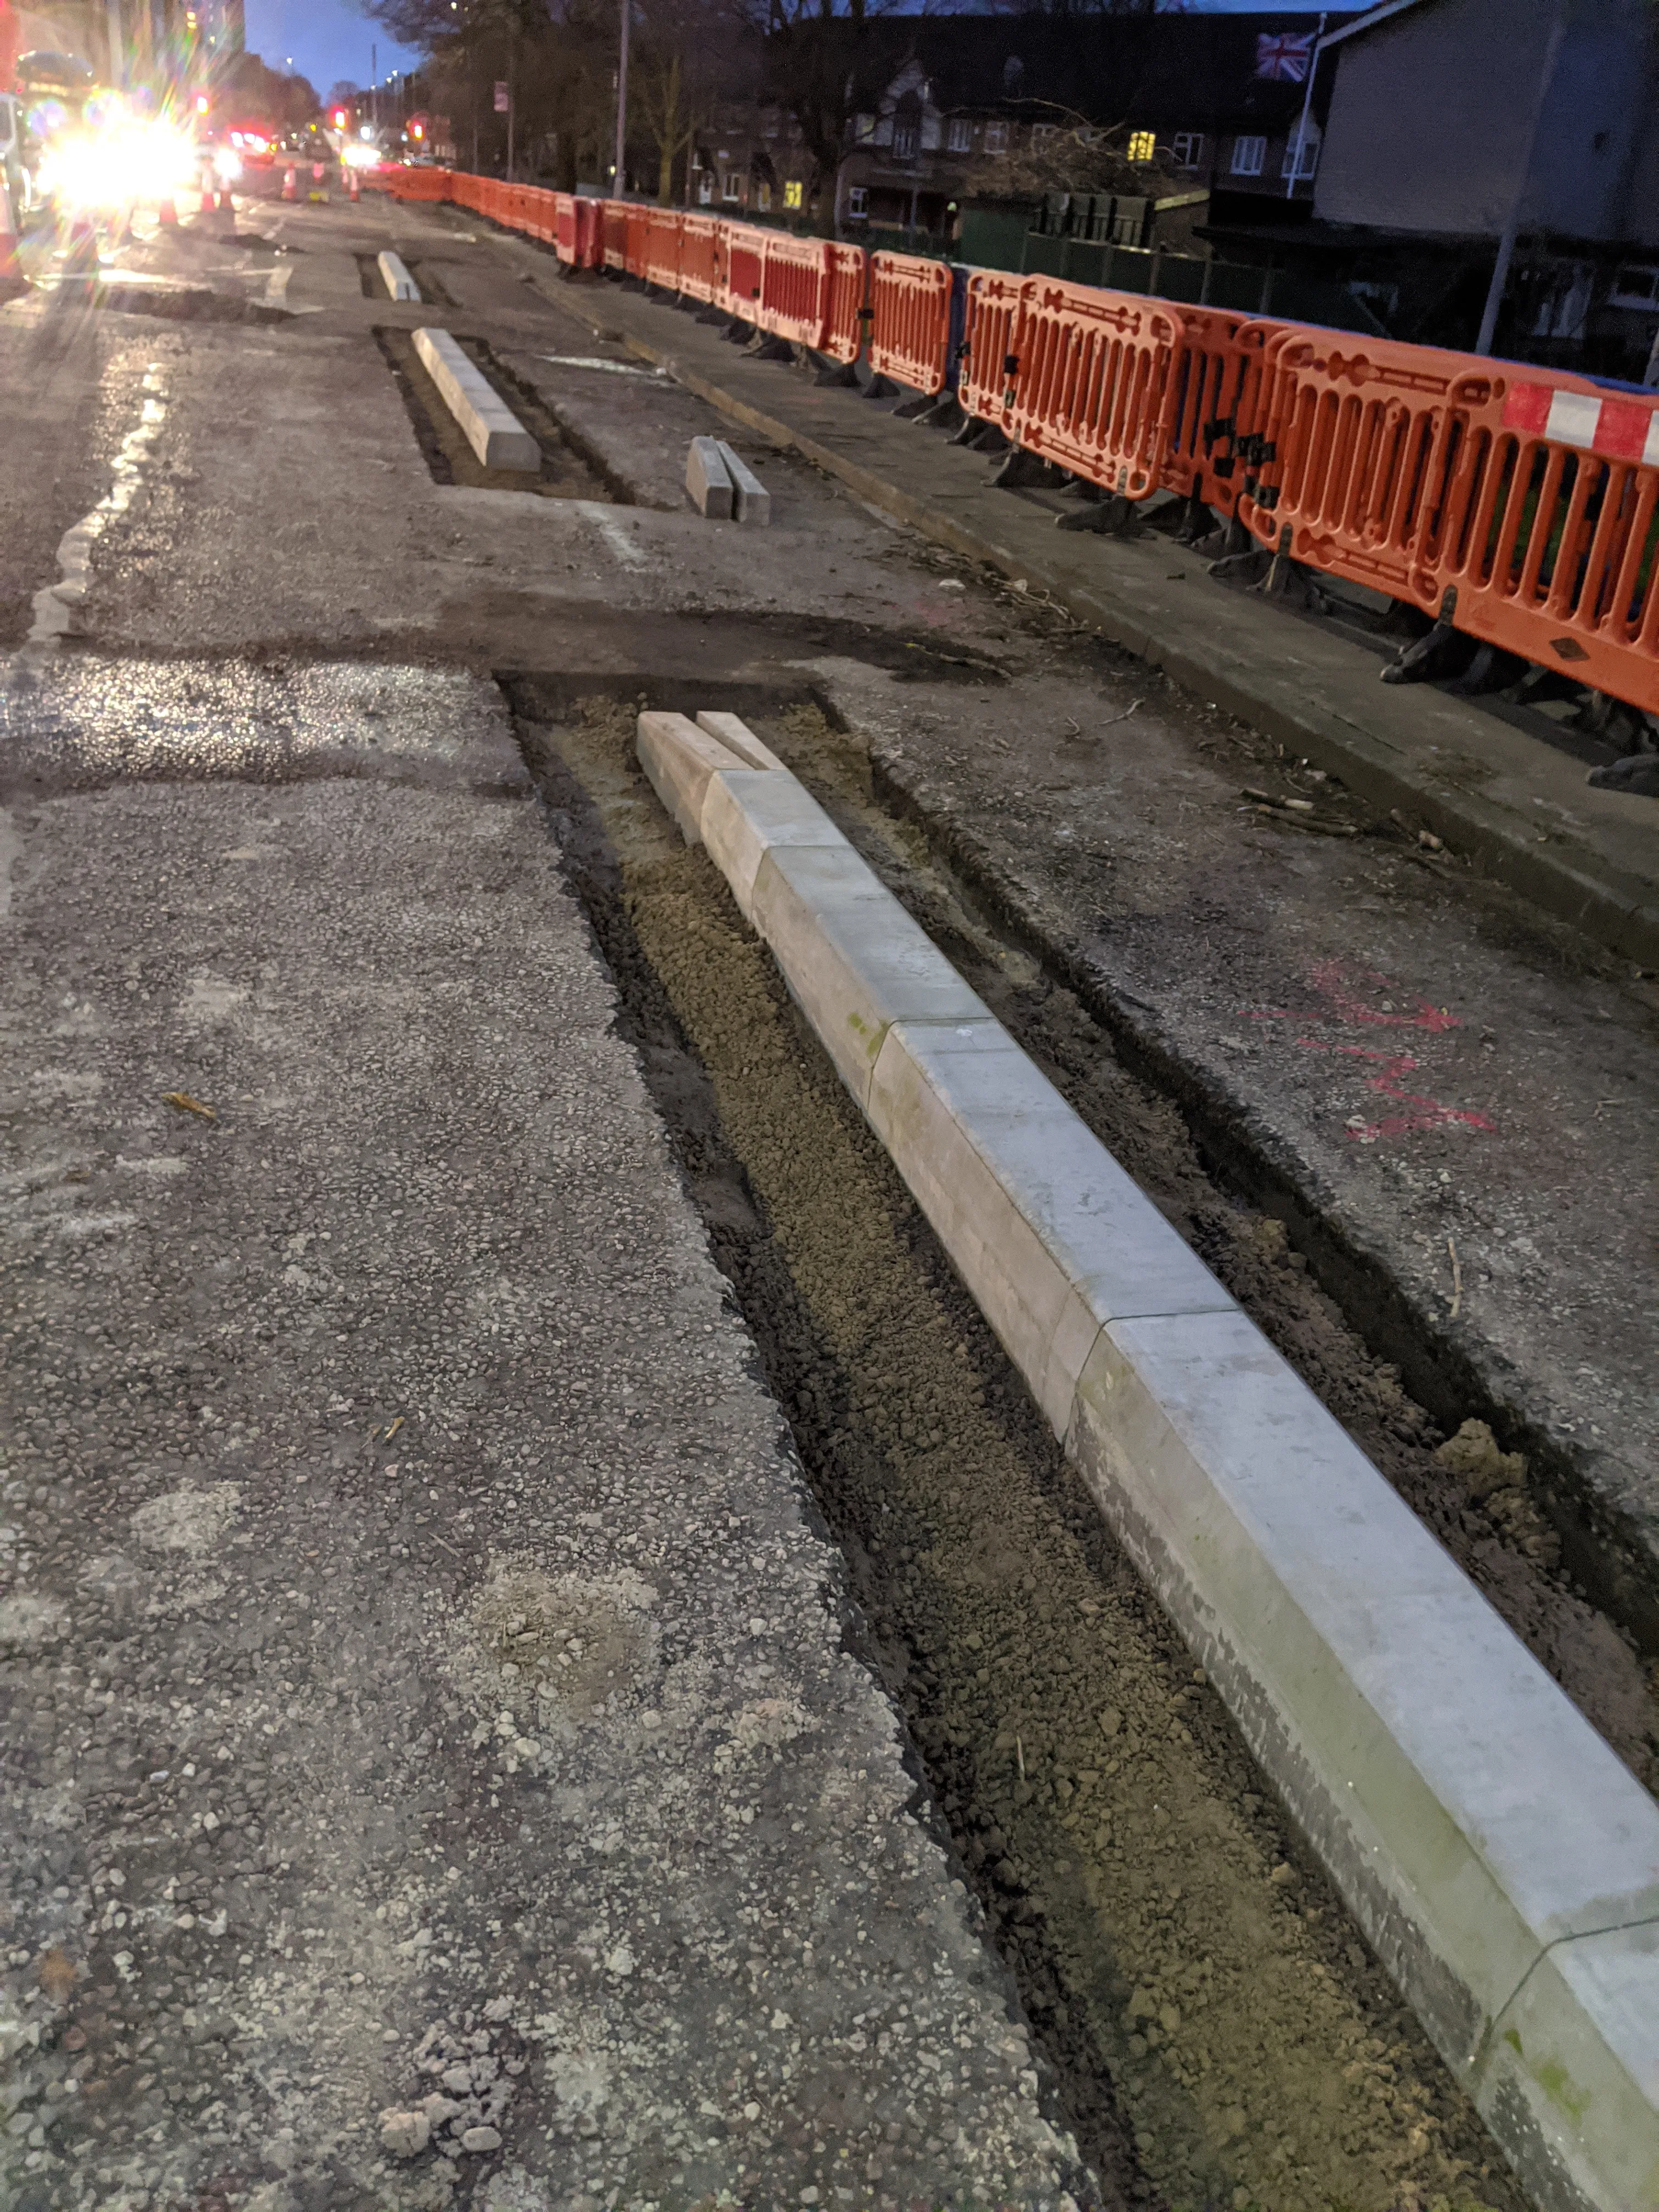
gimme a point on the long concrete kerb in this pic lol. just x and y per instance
(395, 276)
(1502, 1860)
(492, 428)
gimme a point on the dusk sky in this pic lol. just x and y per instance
(328, 40)
(323, 40)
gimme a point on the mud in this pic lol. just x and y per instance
(1221, 2032)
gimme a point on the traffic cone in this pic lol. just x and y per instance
(354, 185)
(290, 183)
(12, 279)
(167, 214)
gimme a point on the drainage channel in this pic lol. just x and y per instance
(1220, 2034)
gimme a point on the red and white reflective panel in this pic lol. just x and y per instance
(1618, 430)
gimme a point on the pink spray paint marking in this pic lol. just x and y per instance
(1332, 980)
(1430, 1113)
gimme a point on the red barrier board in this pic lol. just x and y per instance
(911, 319)
(1094, 388)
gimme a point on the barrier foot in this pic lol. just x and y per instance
(1615, 721)
(883, 387)
(827, 374)
(1638, 774)
(1492, 669)
(1443, 652)
(1020, 470)
(764, 347)
(913, 408)
(1198, 523)
(1113, 517)
(739, 333)
(1294, 580)
(714, 315)
(967, 431)
(987, 439)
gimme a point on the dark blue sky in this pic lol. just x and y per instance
(327, 39)
(323, 40)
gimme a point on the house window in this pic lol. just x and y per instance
(1301, 154)
(1635, 287)
(1043, 134)
(907, 129)
(958, 135)
(858, 203)
(996, 138)
(729, 187)
(864, 126)
(1143, 144)
(1189, 147)
(791, 194)
(763, 197)
(705, 188)
(1249, 155)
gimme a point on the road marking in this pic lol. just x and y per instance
(54, 604)
(276, 285)
(614, 533)
(589, 361)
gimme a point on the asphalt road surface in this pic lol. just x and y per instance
(549, 1662)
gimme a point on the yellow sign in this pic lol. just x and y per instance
(791, 193)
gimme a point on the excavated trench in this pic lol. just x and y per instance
(1221, 2036)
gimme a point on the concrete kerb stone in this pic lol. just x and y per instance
(737, 737)
(851, 956)
(492, 428)
(707, 480)
(1500, 1858)
(1050, 1235)
(679, 758)
(751, 502)
(394, 275)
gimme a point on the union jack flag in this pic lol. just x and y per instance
(1283, 55)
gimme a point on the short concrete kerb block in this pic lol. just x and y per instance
(707, 480)
(396, 277)
(751, 502)
(492, 428)
(1501, 1859)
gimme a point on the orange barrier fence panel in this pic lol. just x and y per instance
(1221, 390)
(1094, 388)
(565, 221)
(613, 229)
(662, 248)
(911, 319)
(700, 256)
(638, 224)
(990, 343)
(744, 268)
(846, 279)
(1523, 504)
(795, 286)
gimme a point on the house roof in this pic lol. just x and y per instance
(1368, 21)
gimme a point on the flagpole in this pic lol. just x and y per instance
(1307, 103)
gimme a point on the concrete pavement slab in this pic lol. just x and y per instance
(435, 1756)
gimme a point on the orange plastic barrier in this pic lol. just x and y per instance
(1524, 504)
(661, 253)
(1221, 386)
(847, 285)
(565, 222)
(990, 343)
(614, 233)
(911, 319)
(1094, 388)
(637, 226)
(701, 257)
(745, 265)
(794, 289)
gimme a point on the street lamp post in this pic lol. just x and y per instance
(622, 104)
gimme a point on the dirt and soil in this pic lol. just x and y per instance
(1223, 2038)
